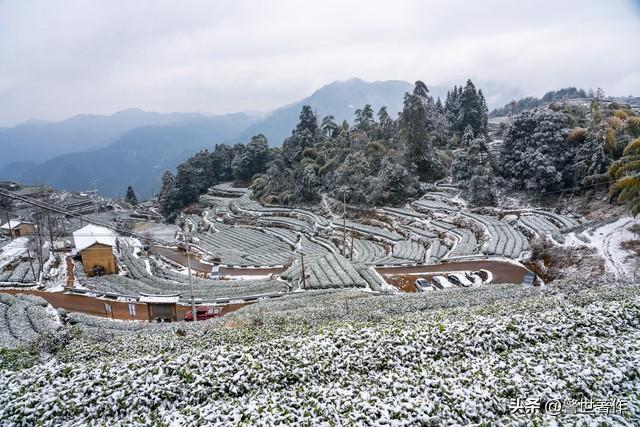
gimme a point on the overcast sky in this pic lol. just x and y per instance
(60, 58)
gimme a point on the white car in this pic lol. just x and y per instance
(422, 285)
(460, 279)
(474, 278)
(441, 282)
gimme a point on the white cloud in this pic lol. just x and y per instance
(64, 58)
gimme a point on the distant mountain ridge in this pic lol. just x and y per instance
(37, 140)
(340, 99)
(140, 146)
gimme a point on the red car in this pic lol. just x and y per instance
(203, 313)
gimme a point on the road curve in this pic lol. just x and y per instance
(503, 271)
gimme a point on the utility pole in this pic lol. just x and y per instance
(193, 302)
(304, 278)
(351, 249)
(344, 222)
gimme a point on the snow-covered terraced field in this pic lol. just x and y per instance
(283, 221)
(223, 289)
(402, 212)
(434, 205)
(420, 232)
(466, 243)
(348, 358)
(369, 230)
(565, 223)
(503, 239)
(22, 273)
(541, 226)
(437, 250)
(164, 281)
(409, 250)
(245, 246)
(368, 252)
(328, 271)
(24, 319)
(246, 204)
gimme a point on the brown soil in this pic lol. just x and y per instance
(70, 276)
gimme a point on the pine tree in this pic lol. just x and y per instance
(308, 121)
(419, 152)
(467, 136)
(329, 126)
(387, 125)
(130, 197)
(420, 89)
(364, 117)
(470, 112)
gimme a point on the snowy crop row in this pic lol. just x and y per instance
(164, 281)
(24, 319)
(22, 272)
(503, 239)
(455, 366)
(245, 246)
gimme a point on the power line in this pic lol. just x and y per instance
(61, 211)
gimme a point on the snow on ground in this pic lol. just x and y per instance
(457, 358)
(607, 240)
(159, 232)
(11, 251)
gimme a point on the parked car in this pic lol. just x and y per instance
(529, 279)
(460, 279)
(203, 313)
(422, 285)
(487, 276)
(441, 282)
(474, 278)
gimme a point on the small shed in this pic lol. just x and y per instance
(95, 246)
(17, 228)
(161, 308)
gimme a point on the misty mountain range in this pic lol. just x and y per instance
(135, 147)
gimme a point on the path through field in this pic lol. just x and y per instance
(608, 239)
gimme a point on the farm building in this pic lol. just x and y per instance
(95, 246)
(18, 228)
(161, 308)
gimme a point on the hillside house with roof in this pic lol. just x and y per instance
(17, 228)
(95, 246)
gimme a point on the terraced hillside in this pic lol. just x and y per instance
(459, 357)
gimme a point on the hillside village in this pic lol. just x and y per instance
(79, 271)
(319, 214)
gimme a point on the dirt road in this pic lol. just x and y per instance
(180, 258)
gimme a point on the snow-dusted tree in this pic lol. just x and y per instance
(387, 125)
(482, 186)
(130, 197)
(471, 110)
(535, 155)
(252, 160)
(419, 152)
(329, 126)
(168, 184)
(467, 136)
(304, 136)
(364, 117)
(420, 89)
(473, 171)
